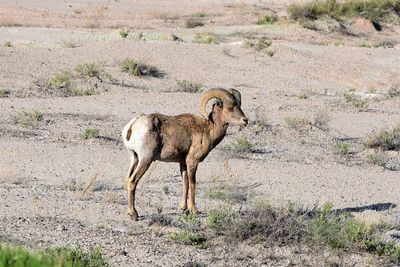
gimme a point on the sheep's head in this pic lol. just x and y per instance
(228, 104)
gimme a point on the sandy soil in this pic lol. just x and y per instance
(43, 169)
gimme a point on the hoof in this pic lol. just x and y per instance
(134, 216)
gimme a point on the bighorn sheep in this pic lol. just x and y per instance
(186, 139)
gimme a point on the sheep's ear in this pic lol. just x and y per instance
(237, 95)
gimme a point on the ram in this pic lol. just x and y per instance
(186, 139)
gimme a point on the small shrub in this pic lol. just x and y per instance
(8, 44)
(321, 120)
(90, 133)
(267, 19)
(28, 119)
(303, 96)
(394, 91)
(4, 93)
(218, 218)
(197, 240)
(160, 218)
(191, 23)
(123, 33)
(260, 44)
(89, 70)
(373, 10)
(354, 100)
(166, 189)
(199, 14)
(242, 145)
(135, 68)
(270, 52)
(190, 222)
(69, 44)
(189, 86)
(297, 123)
(385, 140)
(75, 91)
(378, 158)
(205, 38)
(61, 80)
(341, 148)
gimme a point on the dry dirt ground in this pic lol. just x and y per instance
(45, 168)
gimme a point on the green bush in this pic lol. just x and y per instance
(267, 19)
(13, 256)
(90, 133)
(191, 23)
(386, 140)
(374, 10)
(135, 68)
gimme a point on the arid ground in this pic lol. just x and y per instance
(312, 97)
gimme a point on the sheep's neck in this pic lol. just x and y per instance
(218, 129)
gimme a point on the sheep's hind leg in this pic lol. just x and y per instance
(140, 170)
(185, 187)
(132, 166)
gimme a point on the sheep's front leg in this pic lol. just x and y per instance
(191, 172)
(185, 186)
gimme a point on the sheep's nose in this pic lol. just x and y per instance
(245, 121)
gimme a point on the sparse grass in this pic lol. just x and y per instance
(28, 119)
(205, 38)
(351, 98)
(124, 33)
(321, 120)
(258, 45)
(90, 133)
(81, 91)
(270, 52)
(192, 23)
(199, 14)
(341, 148)
(242, 145)
(8, 44)
(374, 10)
(4, 93)
(386, 44)
(215, 193)
(160, 218)
(189, 222)
(15, 256)
(70, 44)
(267, 19)
(166, 189)
(289, 225)
(197, 240)
(89, 70)
(378, 158)
(135, 68)
(217, 218)
(303, 96)
(189, 86)
(61, 80)
(385, 139)
(297, 123)
(394, 91)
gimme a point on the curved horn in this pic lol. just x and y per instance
(218, 93)
(237, 95)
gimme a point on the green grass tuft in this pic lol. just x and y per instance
(28, 119)
(90, 133)
(242, 145)
(14, 256)
(267, 19)
(197, 240)
(191, 23)
(385, 139)
(135, 68)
